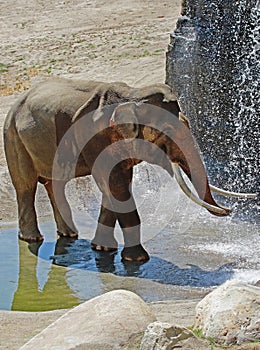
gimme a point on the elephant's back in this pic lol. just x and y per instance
(34, 119)
(48, 106)
(58, 96)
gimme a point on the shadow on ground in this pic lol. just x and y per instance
(79, 255)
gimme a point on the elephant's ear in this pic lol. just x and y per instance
(94, 104)
(160, 95)
(156, 93)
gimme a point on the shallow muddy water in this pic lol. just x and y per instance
(191, 252)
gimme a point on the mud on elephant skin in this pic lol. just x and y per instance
(62, 128)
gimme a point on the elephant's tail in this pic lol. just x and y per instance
(19, 162)
(10, 118)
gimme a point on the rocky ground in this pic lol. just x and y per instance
(16, 328)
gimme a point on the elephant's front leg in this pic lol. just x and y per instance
(124, 206)
(131, 227)
(104, 237)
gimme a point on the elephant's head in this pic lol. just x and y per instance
(159, 121)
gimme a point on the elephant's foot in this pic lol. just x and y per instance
(73, 235)
(104, 239)
(32, 238)
(101, 248)
(135, 253)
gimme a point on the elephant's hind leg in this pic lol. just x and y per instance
(28, 228)
(24, 178)
(104, 237)
(61, 209)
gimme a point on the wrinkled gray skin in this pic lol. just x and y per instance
(41, 117)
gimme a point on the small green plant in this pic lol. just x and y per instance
(198, 333)
(90, 46)
(211, 341)
(55, 60)
(145, 53)
(158, 51)
(122, 55)
(23, 24)
(3, 68)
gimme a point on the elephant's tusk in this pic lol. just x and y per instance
(192, 196)
(232, 194)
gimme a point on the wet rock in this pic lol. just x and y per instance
(105, 322)
(230, 314)
(163, 336)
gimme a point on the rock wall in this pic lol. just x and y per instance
(212, 64)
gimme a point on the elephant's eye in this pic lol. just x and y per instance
(135, 128)
(164, 148)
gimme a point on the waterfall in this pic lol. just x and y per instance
(212, 64)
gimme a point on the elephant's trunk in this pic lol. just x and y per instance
(193, 167)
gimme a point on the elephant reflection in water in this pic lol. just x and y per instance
(47, 284)
(54, 294)
(76, 273)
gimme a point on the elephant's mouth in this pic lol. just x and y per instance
(217, 210)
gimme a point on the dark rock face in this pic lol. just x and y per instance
(212, 64)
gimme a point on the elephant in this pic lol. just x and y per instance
(65, 128)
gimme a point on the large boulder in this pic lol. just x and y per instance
(105, 322)
(230, 314)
